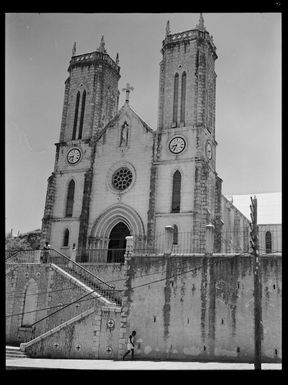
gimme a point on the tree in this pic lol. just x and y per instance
(27, 241)
(16, 243)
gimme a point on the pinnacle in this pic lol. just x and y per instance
(168, 28)
(102, 45)
(74, 49)
(200, 25)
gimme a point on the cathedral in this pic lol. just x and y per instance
(115, 176)
(120, 193)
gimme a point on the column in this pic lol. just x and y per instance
(209, 239)
(168, 240)
(129, 248)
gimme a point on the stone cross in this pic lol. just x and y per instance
(127, 89)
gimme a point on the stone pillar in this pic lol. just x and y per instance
(129, 248)
(84, 217)
(48, 210)
(168, 240)
(73, 253)
(209, 239)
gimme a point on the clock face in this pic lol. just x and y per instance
(74, 155)
(177, 145)
(209, 151)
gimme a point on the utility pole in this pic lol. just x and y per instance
(257, 284)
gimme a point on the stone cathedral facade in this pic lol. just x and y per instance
(114, 175)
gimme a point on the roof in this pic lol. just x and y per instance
(116, 117)
(228, 199)
(269, 206)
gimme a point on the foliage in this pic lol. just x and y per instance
(13, 243)
(27, 241)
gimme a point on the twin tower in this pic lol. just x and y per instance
(170, 170)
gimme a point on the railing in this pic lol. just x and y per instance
(22, 256)
(10, 254)
(186, 243)
(237, 240)
(83, 274)
(33, 326)
(105, 255)
(183, 243)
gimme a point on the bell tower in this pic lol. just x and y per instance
(187, 80)
(91, 99)
(186, 150)
(91, 94)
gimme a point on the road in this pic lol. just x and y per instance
(36, 363)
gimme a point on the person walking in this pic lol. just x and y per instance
(130, 345)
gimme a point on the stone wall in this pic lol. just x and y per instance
(53, 291)
(206, 311)
(235, 229)
(182, 308)
(276, 235)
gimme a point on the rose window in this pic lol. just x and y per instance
(122, 178)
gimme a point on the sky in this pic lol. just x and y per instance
(38, 49)
(269, 206)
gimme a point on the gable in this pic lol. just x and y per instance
(126, 129)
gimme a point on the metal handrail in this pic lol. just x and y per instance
(12, 255)
(82, 268)
(111, 287)
(56, 311)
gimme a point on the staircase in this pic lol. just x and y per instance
(80, 273)
(87, 279)
(13, 352)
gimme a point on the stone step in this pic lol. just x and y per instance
(14, 356)
(14, 352)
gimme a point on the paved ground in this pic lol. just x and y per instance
(36, 363)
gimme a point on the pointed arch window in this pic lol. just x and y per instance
(176, 192)
(70, 199)
(30, 304)
(183, 97)
(175, 99)
(66, 238)
(76, 115)
(175, 235)
(268, 242)
(82, 114)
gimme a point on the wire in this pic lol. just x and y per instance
(74, 288)
(42, 292)
(132, 288)
(135, 277)
(111, 281)
(80, 299)
(229, 242)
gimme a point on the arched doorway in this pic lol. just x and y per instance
(117, 243)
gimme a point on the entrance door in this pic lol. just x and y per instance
(117, 243)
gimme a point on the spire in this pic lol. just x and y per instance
(102, 45)
(168, 28)
(74, 49)
(200, 25)
(117, 58)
